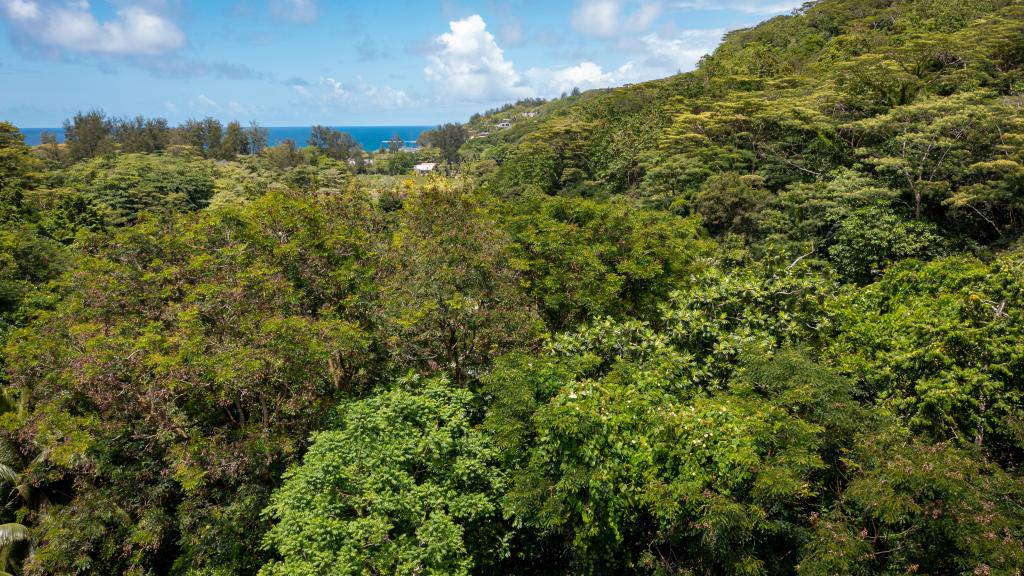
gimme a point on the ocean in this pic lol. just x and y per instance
(369, 137)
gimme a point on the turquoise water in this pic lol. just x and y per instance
(369, 137)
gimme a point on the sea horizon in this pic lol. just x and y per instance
(371, 138)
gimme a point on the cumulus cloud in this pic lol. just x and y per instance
(612, 18)
(298, 11)
(467, 63)
(759, 7)
(585, 75)
(137, 29)
(681, 52)
(330, 93)
(21, 9)
(385, 96)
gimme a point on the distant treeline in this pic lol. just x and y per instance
(507, 107)
(93, 133)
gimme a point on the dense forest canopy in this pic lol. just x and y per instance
(763, 318)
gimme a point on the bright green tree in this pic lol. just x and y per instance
(403, 484)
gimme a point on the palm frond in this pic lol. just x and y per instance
(8, 474)
(13, 532)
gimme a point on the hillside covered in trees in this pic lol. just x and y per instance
(762, 318)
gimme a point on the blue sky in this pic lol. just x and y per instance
(300, 62)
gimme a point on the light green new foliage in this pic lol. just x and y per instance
(642, 472)
(403, 485)
(129, 184)
(927, 147)
(940, 345)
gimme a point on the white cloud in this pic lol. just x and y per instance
(611, 18)
(385, 96)
(585, 75)
(70, 26)
(21, 9)
(760, 7)
(681, 52)
(205, 101)
(333, 90)
(330, 92)
(468, 64)
(300, 11)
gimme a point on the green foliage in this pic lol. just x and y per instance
(448, 138)
(729, 203)
(88, 134)
(18, 170)
(394, 163)
(183, 368)
(284, 155)
(449, 300)
(580, 259)
(548, 159)
(235, 142)
(939, 345)
(919, 508)
(765, 306)
(926, 148)
(403, 483)
(870, 239)
(645, 473)
(29, 256)
(780, 134)
(141, 134)
(761, 318)
(671, 178)
(334, 143)
(129, 184)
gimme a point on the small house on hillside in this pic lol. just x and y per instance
(425, 168)
(503, 124)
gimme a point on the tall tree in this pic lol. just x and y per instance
(450, 301)
(448, 138)
(926, 148)
(88, 134)
(259, 137)
(140, 134)
(18, 169)
(204, 135)
(169, 435)
(284, 155)
(333, 143)
(438, 515)
(396, 143)
(235, 142)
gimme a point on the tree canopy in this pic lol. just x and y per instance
(761, 318)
